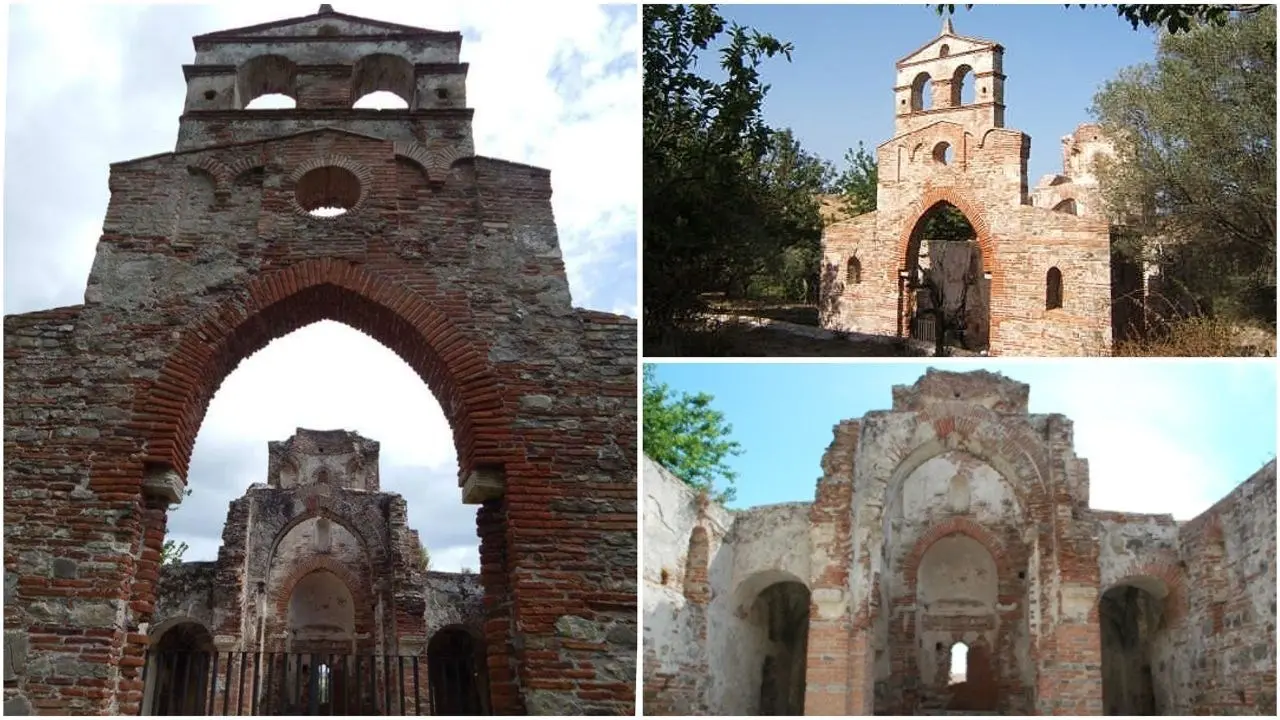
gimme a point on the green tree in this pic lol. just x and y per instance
(789, 182)
(1194, 179)
(858, 182)
(426, 558)
(172, 551)
(706, 213)
(684, 434)
(1172, 18)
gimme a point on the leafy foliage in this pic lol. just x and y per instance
(728, 201)
(172, 551)
(1194, 178)
(1172, 18)
(687, 436)
(857, 183)
(426, 558)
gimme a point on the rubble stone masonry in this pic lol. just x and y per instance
(958, 523)
(209, 252)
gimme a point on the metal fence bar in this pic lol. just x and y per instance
(257, 675)
(226, 686)
(417, 695)
(261, 683)
(213, 688)
(386, 684)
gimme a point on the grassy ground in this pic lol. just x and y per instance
(787, 312)
(1195, 337)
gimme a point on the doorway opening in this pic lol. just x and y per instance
(945, 293)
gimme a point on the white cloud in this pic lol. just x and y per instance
(1139, 426)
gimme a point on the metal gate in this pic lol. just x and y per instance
(263, 683)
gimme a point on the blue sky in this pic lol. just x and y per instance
(838, 87)
(1160, 436)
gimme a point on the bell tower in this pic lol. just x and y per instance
(933, 83)
(326, 62)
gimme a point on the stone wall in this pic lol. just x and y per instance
(957, 518)
(1226, 664)
(185, 594)
(683, 532)
(207, 254)
(962, 155)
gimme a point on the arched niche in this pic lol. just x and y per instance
(321, 613)
(957, 621)
(179, 669)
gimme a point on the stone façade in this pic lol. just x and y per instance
(448, 258)
(957, 517)
(325, 555)
(1027, 240)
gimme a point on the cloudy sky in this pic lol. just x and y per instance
(102, 84)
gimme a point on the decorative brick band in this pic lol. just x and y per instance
(454, 365)
(364, 177)
(433, 160)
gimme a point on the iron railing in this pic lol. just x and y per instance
(924, 327)
(278, 683)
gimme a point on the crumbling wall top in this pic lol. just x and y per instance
(991, 390)
(341, 458)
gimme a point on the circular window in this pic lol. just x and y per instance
(328, 191)
(942, 153)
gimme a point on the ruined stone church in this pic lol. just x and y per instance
(1034, 274)
(257, 223)
(312, 563)
(950, 563)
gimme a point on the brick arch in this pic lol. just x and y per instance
(1140, 573)
(455, 366)
(242, 165)
(362, 173)
(947, 528)
(157, 630)
(415, 154)
(696, 588)
(385, 72)
(213, 170)
(1014, 454)
(972, 212)
(284, 591)
(374, 548)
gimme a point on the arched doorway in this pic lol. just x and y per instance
(180, 670)
(945, 295)
(285, 301)
(957, 622)
(457, 682)
(1131, 618)
(321, 625)
(780, 615)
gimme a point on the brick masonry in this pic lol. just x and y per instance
(1022, 235)
(317, 560)
(448, 258)
(958, 517)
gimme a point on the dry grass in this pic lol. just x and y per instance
(1201, 337)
